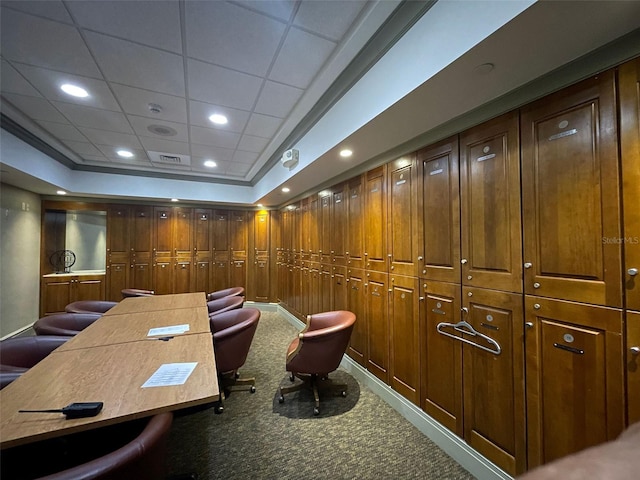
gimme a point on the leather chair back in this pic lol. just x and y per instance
(69, 324)
(89, 306)
(224, 304)
(320, 346)
(136, 292)
(233, 333)
(227, 292)
(17, 355)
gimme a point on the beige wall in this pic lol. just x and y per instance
(19, 259)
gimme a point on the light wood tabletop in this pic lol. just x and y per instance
(113, 374)
(158, 302)
(113, 329)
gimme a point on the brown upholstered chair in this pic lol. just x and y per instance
(133, 450)
(233, 333)
(227, 292)
(17, 355)
(224, 304)
(317, 352)
(68, 324)
(89, 306)
(614, 460)
(136, 292)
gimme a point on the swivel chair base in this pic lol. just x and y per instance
(316, 383)
(231, 382)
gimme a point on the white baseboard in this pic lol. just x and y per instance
(17, 332)
(472, 461)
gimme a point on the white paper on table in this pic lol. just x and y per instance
(170, 330)
(170, 374)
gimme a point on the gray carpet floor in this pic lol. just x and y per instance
(357, 437)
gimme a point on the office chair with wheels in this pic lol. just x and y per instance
(227, 292)
(17, 355)
(224, 304)
(90, 306)
(136, 292)
(233, 333)
(69, 324)
(317, 352)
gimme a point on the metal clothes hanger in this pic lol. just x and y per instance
(466, 328)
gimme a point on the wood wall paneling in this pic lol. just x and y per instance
(375, 220)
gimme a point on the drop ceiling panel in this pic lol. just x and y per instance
(136, 101)
(200, 112)
(141, 126)
(35, 108)
(280, 9)
(13, 82)
(277, 100)
(252, 144)
(94, 118)
(244, 157)
(51, 9)
(165, 146)
(214, 138)
(114, 139)
(319, 17)
(82, 148)
(262, 125)
(63, 131)
(208, 152)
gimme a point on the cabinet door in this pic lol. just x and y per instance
(338, 231)
(633, 367)
(117, 231)
(375, 220)
(403, 216)
(494, 403)
(141, 274)
(326, 286)
(377, 308)
(182, 276)
(117, 279)
(339, 292)
(183, 232)
(261, 233)
(571, 194)
(202, 235)
(221, 231)
(56, 294)
(262, 279)
(355, 225)
(221, 271)
(163, 276)
(358, 345)
(629, 80)
(90, 287)
(141, 231)
(441, 356)
(490, 205)
(314, 289)
(238, 273)
(575, 377)
(404, 330)
(325, 226)
(163, 221)
(202, 274)
(238, 234)
(439, 205)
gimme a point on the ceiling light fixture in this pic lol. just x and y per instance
(174, 199)
(61, 192)
(210, 164)
(74, 90)
(125, 153)
(218, 119)
(286, 190)
(346, 153)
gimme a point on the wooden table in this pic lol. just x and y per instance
(157, 302)
(110, 373)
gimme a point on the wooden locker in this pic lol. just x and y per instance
(238, 235)
(356, 302)
(324, 225)
(633, 367)
(262, 279)
(141, 232)
(163, 223)
(493, 381)
(339, 292)
(202, 237)
(377, 311)
(403, 216)
(441, 366)
(221, 274)
(570, 194)
(313, 292)
(238, 273)
(490, 205)
(404, 333)
(163, 273)
(326, 288)
(439, 207)
(141, 273)
(355, 224)
(118, 231)
(117, 279)
(375, 220)
(220, 233)
(308, 220)
(575, 378)
(338, 233)
(183, 232)
(182, 275)
(629, 81)
(202, 276)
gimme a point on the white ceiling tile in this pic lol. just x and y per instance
(197, 165)
(135, 65)
(245, 157)
(52, 9)
(300, 58)
(215, 138)
(82, 148)
(95, 159)
(199, 114)
(114, 139)
(222, 86)
(94, 118)
(263, 125)
(48, 82)
(141, 127)
(140, 156)
(136, 101)
(279, 9)
(155, 23)
(165, 146)
(238, 169)
(44, 43)
(232, 36)
(12, 82)
(34, 107)
(277, 99)
(320, 17)
(207, 152)
(63, 131)
(252, 144)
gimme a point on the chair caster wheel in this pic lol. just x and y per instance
(236, 375)
(281, 399)
(316, 411)
(292, 377)
(218, 409)
(252, 389)
(343, 394)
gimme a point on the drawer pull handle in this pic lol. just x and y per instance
(568, 349)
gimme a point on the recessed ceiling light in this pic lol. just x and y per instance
(61, 192)
(74, 90)
(286, 190)
(125, 153)
(210, 163)
(218, 119)
(174, 199)
(346, 153)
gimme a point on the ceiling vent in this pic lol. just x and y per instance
(170, 159)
